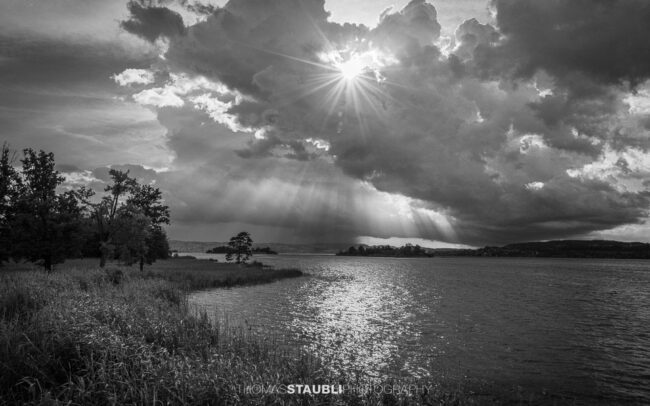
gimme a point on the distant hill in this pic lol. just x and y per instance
(559, 249)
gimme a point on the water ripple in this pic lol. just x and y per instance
(578, 328)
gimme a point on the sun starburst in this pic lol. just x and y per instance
(346, 83)
(351, 69)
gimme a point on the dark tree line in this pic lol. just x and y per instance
(42, 224)
(407, 250)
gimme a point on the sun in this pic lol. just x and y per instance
(346, 83)
(351, 69)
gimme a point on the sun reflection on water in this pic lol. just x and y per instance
(353, 324)
(544, 324)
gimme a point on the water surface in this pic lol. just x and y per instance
(579, 328)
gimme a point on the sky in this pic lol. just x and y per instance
(446, 123)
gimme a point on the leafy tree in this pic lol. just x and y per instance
(136, 239)
(45, 223)
(149, 200)
(41, 224)
(240, 248)
(115, 219)
(104, 212)
(130, 232)
(157, 245)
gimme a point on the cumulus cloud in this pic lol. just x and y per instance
(472, 34)
(134, 77)
(521, 130)
(415, 25)
(600, 38)
(159, 97)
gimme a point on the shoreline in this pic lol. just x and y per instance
(201, 274)
(86, 335)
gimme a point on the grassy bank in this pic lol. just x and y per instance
(82, 335)
(192, 274)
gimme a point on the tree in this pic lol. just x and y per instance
(157, 246)
(149, 200)
(240, 247)
(44, 223)
(118, 215)
(130, 232)
(136, 239)
(104, 212)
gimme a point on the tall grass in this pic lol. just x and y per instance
(89, 336)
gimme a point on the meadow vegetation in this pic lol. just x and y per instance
(86, 335)
(192, 274)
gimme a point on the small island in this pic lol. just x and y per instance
(224, 249)
(406, 251)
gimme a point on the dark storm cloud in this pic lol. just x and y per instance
(605, 39)
(564, 114)
(510, 137)
(545, 214)
(212, 186)
(241, 40)
(152, 23)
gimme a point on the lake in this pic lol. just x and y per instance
(578, 328)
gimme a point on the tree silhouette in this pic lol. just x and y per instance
(104, 211)
(149, 200)
(130, 231)
(45, 223)
(127, 202)
(240, 248)
(40, 223)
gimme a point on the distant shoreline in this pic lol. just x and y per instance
(433, 257)
(603, 249)
(598, 249)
